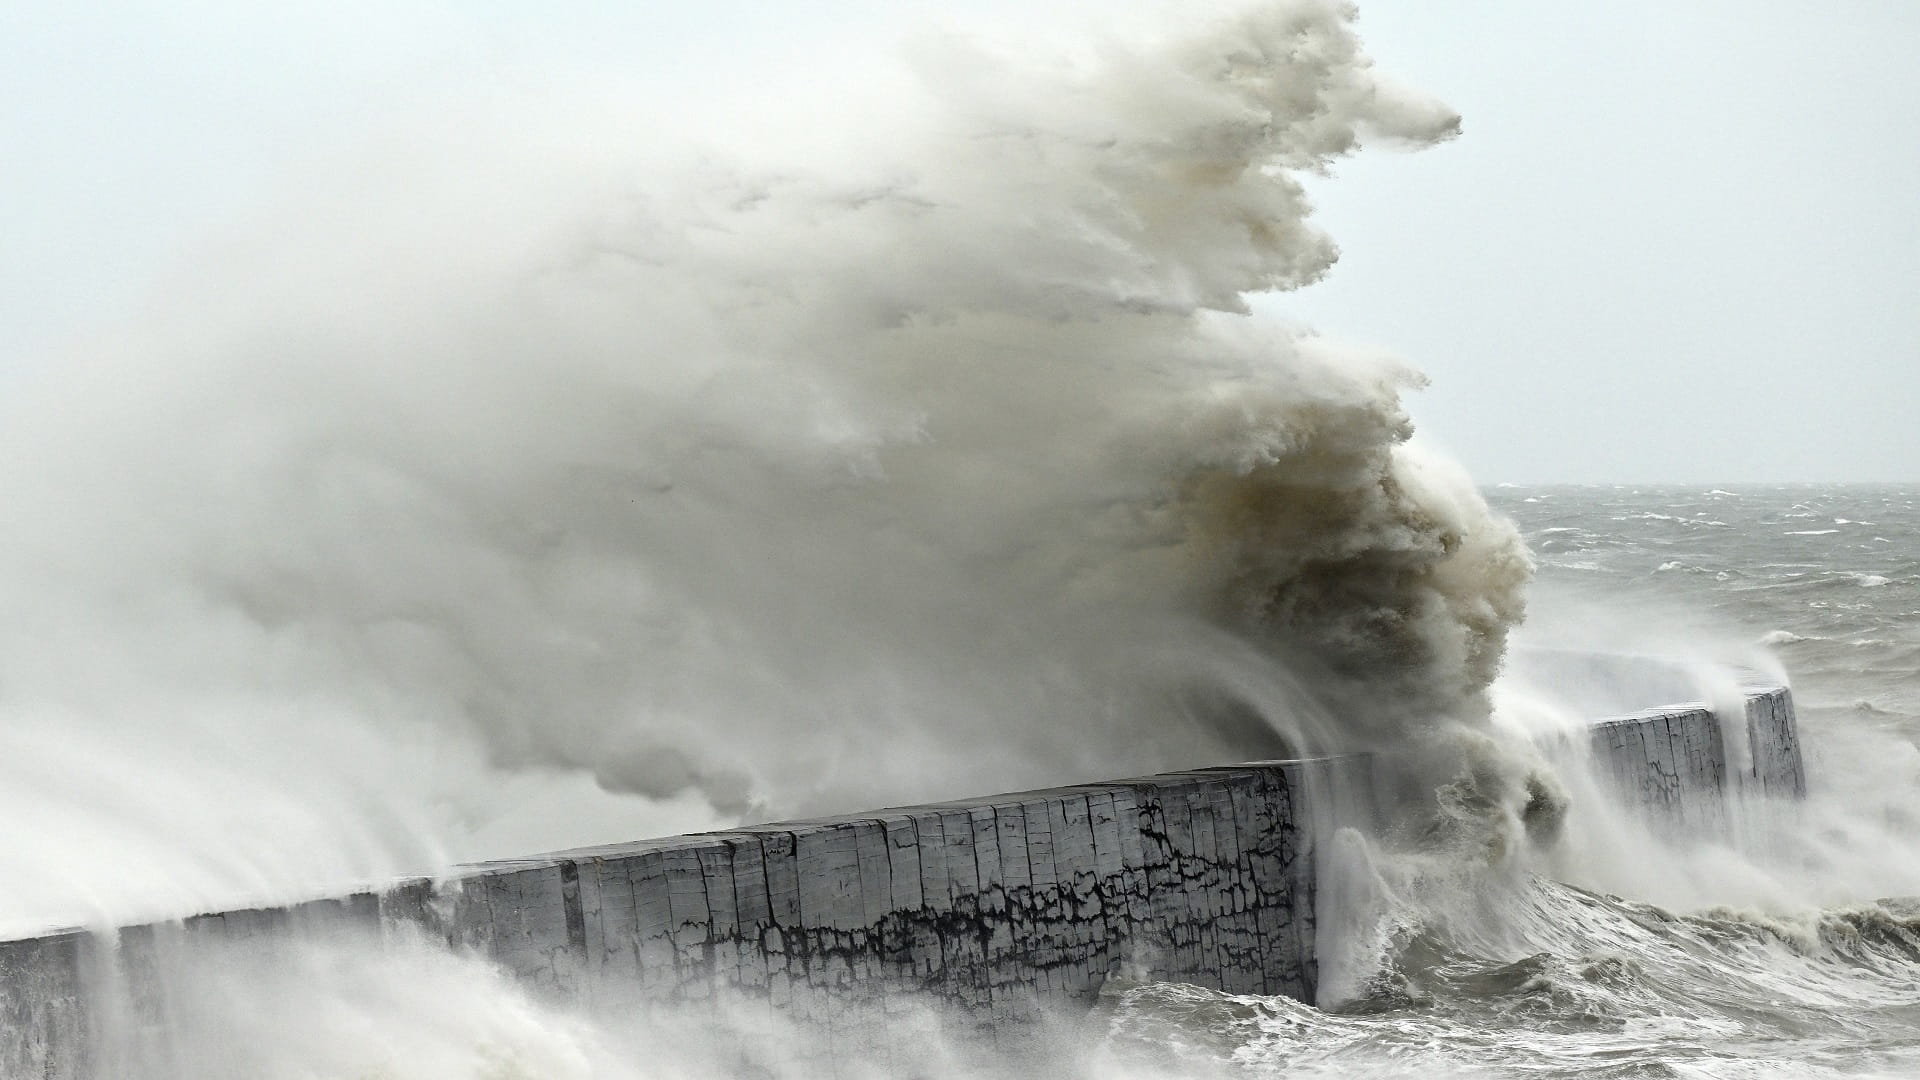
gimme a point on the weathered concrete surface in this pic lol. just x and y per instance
(1674, 763)
(993, 909)
(989, 909)
(1775, 766)
(43, 1012)
(992, 904)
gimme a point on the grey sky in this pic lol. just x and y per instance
(1677, 242)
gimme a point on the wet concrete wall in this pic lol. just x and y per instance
(1690, 768)
(994, 909)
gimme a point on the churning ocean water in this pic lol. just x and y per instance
(1793, 955)
(1521, 975)
(560, 475)
(1828, 577)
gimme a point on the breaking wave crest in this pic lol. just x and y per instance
(585, 475)
(1602, 987)
(741, 480)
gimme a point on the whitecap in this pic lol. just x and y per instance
(1861, 578)
(1575, 564)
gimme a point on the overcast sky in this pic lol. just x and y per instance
(1678, 241)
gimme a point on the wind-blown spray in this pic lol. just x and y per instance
(952, 462)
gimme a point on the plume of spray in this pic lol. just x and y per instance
(743, 481)
(1839, 845)
(1803, 878)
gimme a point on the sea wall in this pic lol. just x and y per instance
(993, 905)
(1688, 767)
(990, 910)
(993, 910)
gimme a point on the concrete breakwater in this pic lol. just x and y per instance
(1689, 767)
(994, 909)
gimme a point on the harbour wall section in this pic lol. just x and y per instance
(1690, 767)
(997, 910)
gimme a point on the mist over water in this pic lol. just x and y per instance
(558, 477)
(1628, 948)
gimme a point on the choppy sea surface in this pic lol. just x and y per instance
(1531, 977)
(1802, 961)
(1826, 577)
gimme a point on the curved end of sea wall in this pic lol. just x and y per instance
(996, 910)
